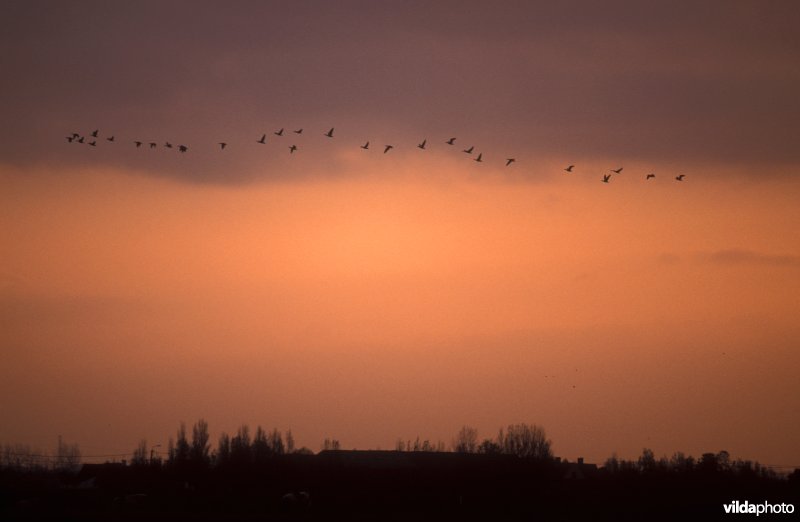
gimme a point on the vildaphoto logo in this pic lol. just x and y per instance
(757, 509)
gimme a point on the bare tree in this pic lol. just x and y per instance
(68, 456)
(330, 444)
(466, 441)
(199, 451)
(223, 454)
(526, 440)
(289, 442)
(139, 457)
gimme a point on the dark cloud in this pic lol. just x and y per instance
(665, 83)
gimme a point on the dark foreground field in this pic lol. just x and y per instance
(386, 485)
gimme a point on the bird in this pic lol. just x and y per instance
(80, 140)
(70, 138)
(509, 161)
(365, 146)
(93, 143)
(94, 134)
(569, 169)
(469, 150)
(152, 144)
(280, 132)
(299, 131)
(292, 149)
(387, 148)
(606, 178)
(222, 145)
(76, 135)
(616, 171)
(422, 145)
(478, 159)
(680, 177)
(329, 133)
(183, 148)
(263, 139)
(450, 141)
(138, 144)
(168, 145)
(110, 138)
(650, 176)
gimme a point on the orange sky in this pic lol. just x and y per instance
(366, 296)
(407, 302)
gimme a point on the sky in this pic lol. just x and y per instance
(348, 293)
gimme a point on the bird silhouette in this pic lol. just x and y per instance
(110, 138)
(616, 171)
(280, 132)
(469, 150)
(329, 133)
(70, 138)
(138, 144)
(168, 145)
(478, 159)
(569, 169)
(387, 148)
(183, 148)
(606, 178)
(93, 143)
(680, 178)
(450, 141)
(222, 145)
(292, 149)
(422, 145)
(80, 140)
(94, 133)
(76, 135)
(365, 146)
(263, 139)
(649, 176)
(509, 161)
(152, 144)
(299, 131)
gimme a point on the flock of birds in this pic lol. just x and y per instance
(92, 138)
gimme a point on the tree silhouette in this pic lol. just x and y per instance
(466, 441)
(199, 451)
(527, 441)
(289, 442)
(330, 444)
(179, 453)
(139, 457)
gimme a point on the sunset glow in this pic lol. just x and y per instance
(341, 292)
